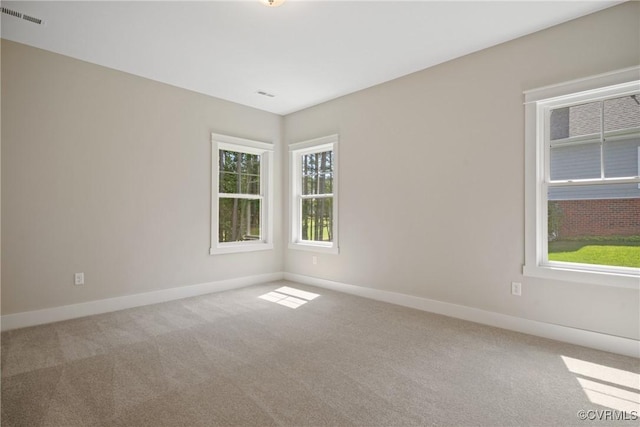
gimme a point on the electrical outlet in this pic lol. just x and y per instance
(78, 279)
(314, 260)
(516, 288)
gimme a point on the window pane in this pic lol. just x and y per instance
(559, 123)
(575, 161)
(621, 158)
(595, 231)
(317, 173)
(317, 219)
(239, 173)
(621, 113)
(577, 120)
(239, 220)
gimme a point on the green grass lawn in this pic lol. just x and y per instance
(310, 227)
(616, 253)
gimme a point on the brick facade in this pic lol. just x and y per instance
(601, 218)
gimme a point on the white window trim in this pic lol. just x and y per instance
(536, 101)
(296, 151)
(265, 151)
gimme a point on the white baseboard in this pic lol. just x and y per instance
(599, 341)
(56, 314)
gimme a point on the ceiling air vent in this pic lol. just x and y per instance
(263, 93)
(19, 15)
(32, 19)
(8, 11)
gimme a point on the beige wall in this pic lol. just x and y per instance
(109, 174)
(432, 180)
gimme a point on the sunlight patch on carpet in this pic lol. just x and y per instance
(289, 297)
(614, 388)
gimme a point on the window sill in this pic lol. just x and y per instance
(231, 248)
(629, 280)
(314, 248)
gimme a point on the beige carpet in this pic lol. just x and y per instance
(233, 358)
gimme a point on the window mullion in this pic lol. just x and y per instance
(316, 196)
(598, 181)
(239, 196)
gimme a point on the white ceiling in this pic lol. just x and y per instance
(304, 52)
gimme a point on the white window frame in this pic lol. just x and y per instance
(265, 151)
(538, 103)
(296, 151)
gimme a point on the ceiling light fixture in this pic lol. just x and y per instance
(272, 3)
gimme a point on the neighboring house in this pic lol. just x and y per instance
(577, 152)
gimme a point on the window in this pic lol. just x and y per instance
(314, 195)
(241, 217)
(582, 180)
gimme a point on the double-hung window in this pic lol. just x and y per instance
(241, 208)
(314, 195)
(583, 180)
